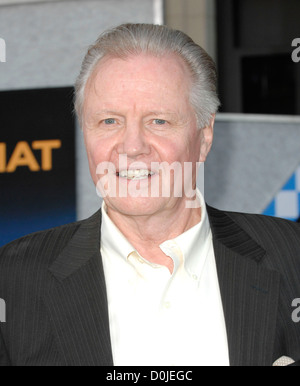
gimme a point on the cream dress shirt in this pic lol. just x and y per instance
(161, 319)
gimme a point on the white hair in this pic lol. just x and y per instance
(132, 39)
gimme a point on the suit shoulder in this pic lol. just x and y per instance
(25, 262)
(267, 223)
(42, 245)
(259, 219)
(267, 231)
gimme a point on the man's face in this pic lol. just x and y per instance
(137, 115)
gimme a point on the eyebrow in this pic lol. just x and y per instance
(152, 112)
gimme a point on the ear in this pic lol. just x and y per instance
(207, 134)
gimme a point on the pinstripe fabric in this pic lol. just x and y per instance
(54, 288)
(259, 278)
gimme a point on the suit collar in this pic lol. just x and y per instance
(232, 236)
(84, 244)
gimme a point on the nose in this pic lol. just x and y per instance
(133, 141)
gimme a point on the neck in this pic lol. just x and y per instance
(146, 233)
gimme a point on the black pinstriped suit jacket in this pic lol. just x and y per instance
(56, 307)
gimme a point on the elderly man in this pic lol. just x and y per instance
(153, 278)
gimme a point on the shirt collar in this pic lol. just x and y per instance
(192, 246)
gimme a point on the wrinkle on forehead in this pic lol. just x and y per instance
(171, 62)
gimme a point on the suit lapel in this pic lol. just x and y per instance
(77, 302)
(249, 292)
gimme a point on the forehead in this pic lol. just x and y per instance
(142, 74)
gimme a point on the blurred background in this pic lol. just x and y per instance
(254, 165)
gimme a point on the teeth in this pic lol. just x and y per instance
(136, 173)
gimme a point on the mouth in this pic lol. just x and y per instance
(135, 174)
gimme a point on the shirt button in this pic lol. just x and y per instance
(195, 277)
(167, 305)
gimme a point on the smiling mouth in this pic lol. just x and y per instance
(135, 174)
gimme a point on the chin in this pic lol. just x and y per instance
(137, 206)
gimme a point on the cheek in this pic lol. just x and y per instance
(97, 150)
(184, 150)
(98, 155)
(170, 149)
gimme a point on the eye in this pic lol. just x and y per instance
(159, 121)
(109, 121)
